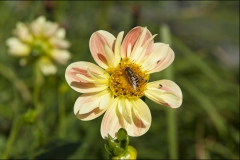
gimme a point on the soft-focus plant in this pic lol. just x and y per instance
(121, 80)
(40, 41)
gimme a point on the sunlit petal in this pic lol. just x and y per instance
(105, 100)
(164, 92)
(82, 85)
(157, 55)
(110, 56)
(166, 59)
(137, 37)
(117, 49)
(113, 120)
(97, 43)
(125, 109)
(139, 43)
(130, 38)
(87, 106)
(145, 51)
(142, 111)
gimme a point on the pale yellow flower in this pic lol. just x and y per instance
(121, 80)
(40, 40)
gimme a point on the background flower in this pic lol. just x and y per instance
(42, 41)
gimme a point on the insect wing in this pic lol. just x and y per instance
(132, 78)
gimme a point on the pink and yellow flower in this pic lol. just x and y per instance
(41, 40)
(116, 87)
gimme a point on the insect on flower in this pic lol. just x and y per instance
(133, 78)
(115, 86)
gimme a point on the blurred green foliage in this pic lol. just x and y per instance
(205, 39)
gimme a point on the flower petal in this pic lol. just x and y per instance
(60, 33)
(145, 50)
(134, 35)
(59, 43)
(165, 58)
(49, 29)
(37, 26)
(105, 100)
(157, 55)
(17, 48)
(125, 109)
(110, 57)
(23, 33)
(61, 56)
(87, 106)
(164, 92)
(97, 43)
(137, 48)
(117, 49)
(130, 39)
(76, 70)
(113, 120)
(46, 66)
(142, 112)
(110, 123)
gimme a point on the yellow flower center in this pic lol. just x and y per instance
(39, 47)
(128, 80)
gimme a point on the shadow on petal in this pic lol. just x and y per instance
(82, 85)
(137, 121)
(102, 58)
(120, 118)
(91, 115)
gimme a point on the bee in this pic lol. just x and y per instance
(160, 85)
(133, 78)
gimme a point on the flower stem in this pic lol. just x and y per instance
(14, 130)
(37, 84)
(171, 113)
(61, 112)
(38, 81)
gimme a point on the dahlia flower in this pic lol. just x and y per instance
(42, 41)
(121, 79)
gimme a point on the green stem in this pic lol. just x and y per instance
(62, 113)
(172, 133)
(37, 84)
(38, 81)
(14, 130)
(171, 113)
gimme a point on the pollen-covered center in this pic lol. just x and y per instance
(128, 80)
